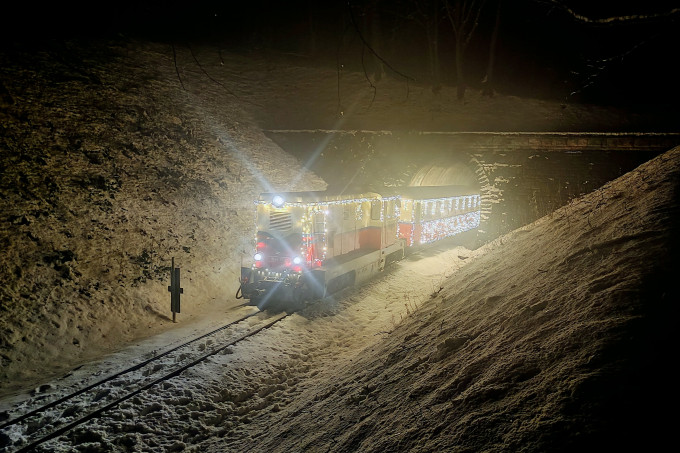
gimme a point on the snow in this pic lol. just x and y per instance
(554, 337)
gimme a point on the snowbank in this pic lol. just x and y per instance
(556, 337)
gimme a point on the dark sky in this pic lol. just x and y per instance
(541, 49)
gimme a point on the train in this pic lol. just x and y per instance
(309, 245)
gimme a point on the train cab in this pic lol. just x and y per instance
(312, 243)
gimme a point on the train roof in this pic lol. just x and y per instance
(317, 197)
(331, 196)
(434, 192)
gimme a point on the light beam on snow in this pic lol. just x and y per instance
(244, 161)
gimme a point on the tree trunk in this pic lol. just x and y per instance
(460, 78)
(488, 84)
(433, 57)
(433, 47)
(312, 27)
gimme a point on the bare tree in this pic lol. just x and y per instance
(429, 15)
(464, 18)
(370, 50)
(370, 33)
(643, 17)
(312, 24)
(640, 15)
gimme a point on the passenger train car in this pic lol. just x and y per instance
(310, 244)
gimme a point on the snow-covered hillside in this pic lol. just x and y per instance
(118, 156)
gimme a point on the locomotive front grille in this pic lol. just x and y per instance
(280, 220)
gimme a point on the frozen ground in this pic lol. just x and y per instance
(551, 338)
(554, 337)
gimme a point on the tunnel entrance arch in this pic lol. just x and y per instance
(445, 173)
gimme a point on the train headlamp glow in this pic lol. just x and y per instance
(278, 201)
(258, 257)
(297, 260)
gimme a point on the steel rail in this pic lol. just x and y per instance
(136, 367)
(176, 372)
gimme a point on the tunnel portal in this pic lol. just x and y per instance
(521, 176)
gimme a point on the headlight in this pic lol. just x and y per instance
(278, 201)
(297, 260)
(258, 257)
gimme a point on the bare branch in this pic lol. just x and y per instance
(174, 59)
(369, 47)
(600, 65)
(464, 18)
(368, 79)
(613, 19)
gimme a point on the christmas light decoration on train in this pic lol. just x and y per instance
(310, 244)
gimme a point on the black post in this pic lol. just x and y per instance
(174, 289)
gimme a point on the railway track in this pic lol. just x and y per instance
(58, 417)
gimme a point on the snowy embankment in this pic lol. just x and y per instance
(110, 167)
(259, 376)
(556, 337)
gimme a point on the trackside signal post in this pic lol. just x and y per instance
(174, 289)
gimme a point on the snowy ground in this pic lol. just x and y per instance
(118, 156)
(110, 168)
(267, 372)
(533, 342)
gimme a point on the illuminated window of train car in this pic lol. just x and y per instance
(391, 209)
(375, 210)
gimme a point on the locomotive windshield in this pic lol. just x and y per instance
(278, 253)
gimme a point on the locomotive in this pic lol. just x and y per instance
(312, 244)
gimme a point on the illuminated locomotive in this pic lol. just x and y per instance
(310, 244)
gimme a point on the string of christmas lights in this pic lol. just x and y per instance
(435, 230)
(434, 225)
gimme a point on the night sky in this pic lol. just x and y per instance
(542, 51)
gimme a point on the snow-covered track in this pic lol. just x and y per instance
(103, 399)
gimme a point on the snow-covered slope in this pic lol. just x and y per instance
(116, 158)
(109, 169)
(556, 337)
